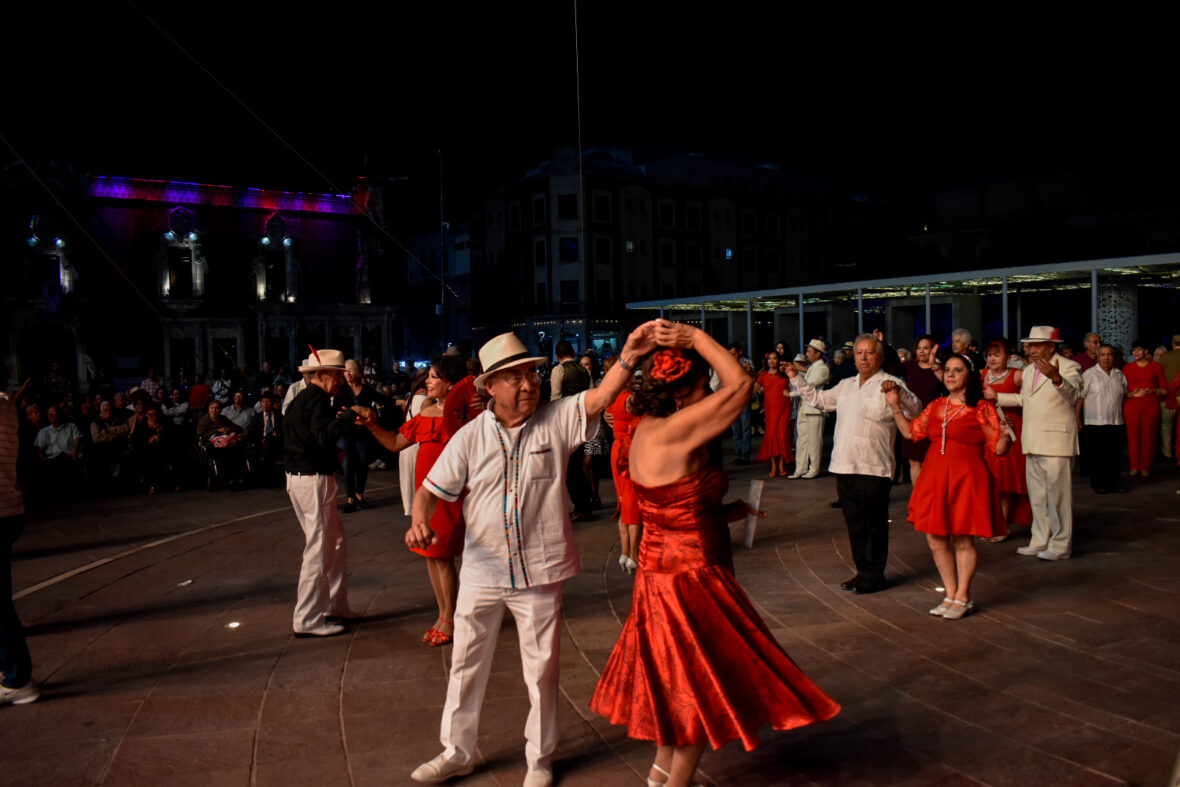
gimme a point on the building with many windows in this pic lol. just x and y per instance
(559, 252)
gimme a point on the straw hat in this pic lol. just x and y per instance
(818, 344)
(323, 360)
(504, 352)
(1042, 333)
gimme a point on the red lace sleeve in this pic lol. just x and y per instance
(989, 421)
(920, 426)
(411, 429)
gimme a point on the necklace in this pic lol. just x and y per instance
(995, 378)
(946, 419)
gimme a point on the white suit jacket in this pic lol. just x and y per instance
(1050, 414)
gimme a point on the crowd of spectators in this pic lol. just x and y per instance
(108, 436)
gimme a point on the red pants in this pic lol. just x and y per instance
(1142, 415)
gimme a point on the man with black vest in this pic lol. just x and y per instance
(313, 426)
(568, 378)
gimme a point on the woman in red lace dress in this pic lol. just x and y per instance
(447, 384)
(694, 664)
(776, 445)
(956, 498)
(1146, 387)
(1009, 468)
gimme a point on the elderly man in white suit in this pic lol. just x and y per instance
(1048, 393)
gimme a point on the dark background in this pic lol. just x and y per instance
(255, 94)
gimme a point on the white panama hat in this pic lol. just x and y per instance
(504, 352)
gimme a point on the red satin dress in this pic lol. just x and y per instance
(777, 441)
(620, 463)
(956, 494)
(431, 436)
(1009, 469)
(694, 663)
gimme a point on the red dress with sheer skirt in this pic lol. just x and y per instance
(431, 436)
(777, 441)
(620, 456)
(694, 663)
(956, 494)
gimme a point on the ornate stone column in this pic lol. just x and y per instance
(1118, 314)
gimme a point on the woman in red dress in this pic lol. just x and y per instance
(1009, 468)
(776, 403)
(1141, 409)
(623, 422)
(694, 664)
(452, 406)
(955, 498)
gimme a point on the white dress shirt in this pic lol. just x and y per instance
(865, 428)
(817, 376)
(1104, 396)
(517, 510)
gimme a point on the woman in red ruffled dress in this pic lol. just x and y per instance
(1009, 468)
(956, 498)
(694, 664)
(452, 392)
(623, 422)
(776, 403)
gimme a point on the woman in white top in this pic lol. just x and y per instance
(406, 459)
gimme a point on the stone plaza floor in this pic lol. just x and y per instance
(161, 629)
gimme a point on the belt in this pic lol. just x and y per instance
(303, 474)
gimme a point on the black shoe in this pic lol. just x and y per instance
(363, 504)
(743, 461)
(596, 503)
(1101, 490)
(1120, 490)
(871, 586)
(349, 508)
(835, 504)
(582, 516)
(851, 583)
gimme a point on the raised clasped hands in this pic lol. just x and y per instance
(989, 393)
(890, 391)
(673, 334)
(642, 340)
(365, 416)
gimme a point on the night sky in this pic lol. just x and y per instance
(923, 101)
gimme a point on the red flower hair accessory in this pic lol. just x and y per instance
(669, 365)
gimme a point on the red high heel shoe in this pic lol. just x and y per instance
(439, 639)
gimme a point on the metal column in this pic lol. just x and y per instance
(1004, 305)
(750, 326)
(929, 327)
(860, 311)
(1094, 300)
(702, 315)
(801, 337)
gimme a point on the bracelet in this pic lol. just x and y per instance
(897, 412)
(626, 365)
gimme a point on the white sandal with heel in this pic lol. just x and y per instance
(653, 783)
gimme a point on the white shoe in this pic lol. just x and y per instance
(541, 777)
(440, 769)
(812, 474)
(22, 696)
(326, 630)
(1030, 550)
(1049, 554)
(795, 475)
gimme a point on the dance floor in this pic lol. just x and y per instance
(161, 629)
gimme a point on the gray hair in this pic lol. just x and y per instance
(868, 337)
(963, 334)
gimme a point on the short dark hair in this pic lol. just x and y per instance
(451, 368)
(564, 349)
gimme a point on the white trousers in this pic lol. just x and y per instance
(1050, 491)
(478, 615)
(1167, 430)
(809, 449)
(323, 586)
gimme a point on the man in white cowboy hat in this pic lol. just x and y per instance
(810, 447)
(1049, 393)
(519, 545)
(309, 456)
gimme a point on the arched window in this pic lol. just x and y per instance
(182, 274)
